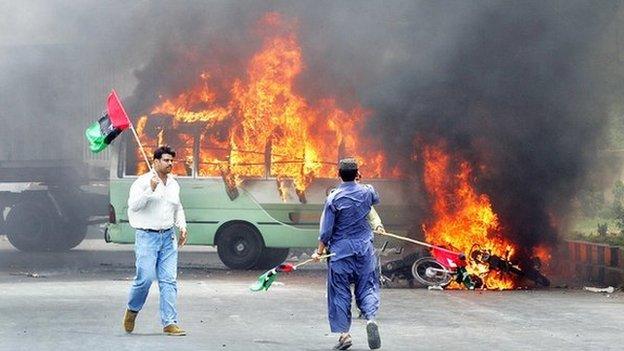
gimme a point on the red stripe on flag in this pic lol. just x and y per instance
(116, 112)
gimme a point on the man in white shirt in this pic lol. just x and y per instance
(154, 208)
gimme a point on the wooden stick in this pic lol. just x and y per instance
(136, 138)
(311, 259)
(415, 241)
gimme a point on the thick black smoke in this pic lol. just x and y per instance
(519, 99)
(511, 87)
(57, 63)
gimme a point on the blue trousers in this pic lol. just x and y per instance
(357, 270)
(156, 259)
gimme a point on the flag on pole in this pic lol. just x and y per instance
(114, 121)
(267, 278)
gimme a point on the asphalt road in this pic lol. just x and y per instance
(75, 301)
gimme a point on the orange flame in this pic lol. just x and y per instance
(543, 253)
(463, 217)
(268, 123)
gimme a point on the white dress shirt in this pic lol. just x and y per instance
(158, 209)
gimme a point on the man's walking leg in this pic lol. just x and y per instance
(367, 293)
(339, 301)
(146, 251)
(167, 275)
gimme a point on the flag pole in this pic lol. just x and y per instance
(311, 259)
(384, 233)
(136, 138)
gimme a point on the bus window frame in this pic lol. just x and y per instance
(197, 143)
(122, 164)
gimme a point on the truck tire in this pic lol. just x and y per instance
(70, 235)
(239, 246)
(2, 223)
(74, 209)
(271, 257)
(30, 226)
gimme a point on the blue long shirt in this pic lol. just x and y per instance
(344, 226)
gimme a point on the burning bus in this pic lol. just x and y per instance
(255, 158)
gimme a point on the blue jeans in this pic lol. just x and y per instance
(156, 259)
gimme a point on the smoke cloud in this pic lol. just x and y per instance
(512, 87)
(518, 97)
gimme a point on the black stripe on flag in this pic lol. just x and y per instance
(108, 130)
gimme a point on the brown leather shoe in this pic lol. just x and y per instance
(173, 330)
(128, 321)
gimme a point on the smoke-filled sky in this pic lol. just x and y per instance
(519, 96)
(521, 89)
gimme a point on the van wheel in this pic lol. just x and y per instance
(271, 257)
(239, 246)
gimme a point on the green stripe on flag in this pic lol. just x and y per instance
(95, 137)
(264, 281)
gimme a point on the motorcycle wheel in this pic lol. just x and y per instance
(430, 272)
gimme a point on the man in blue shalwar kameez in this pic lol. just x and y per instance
(346, 232)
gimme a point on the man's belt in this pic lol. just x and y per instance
(156, 230)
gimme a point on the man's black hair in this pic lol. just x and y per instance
(165, 149)
(348, 175)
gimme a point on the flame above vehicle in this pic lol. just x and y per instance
(265, 121)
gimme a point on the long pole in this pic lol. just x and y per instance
(138, 141)
(415, 241)
(311, 259)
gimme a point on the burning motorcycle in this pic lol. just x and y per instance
(497, 263)
(441, 266)
(440, 269)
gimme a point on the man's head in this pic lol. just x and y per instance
(163, 159)
(348, 169)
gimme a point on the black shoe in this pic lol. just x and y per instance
(372, 331)
(344, 342)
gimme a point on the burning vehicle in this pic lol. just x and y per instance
(448, 269)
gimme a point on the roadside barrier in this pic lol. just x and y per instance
(583, 262)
